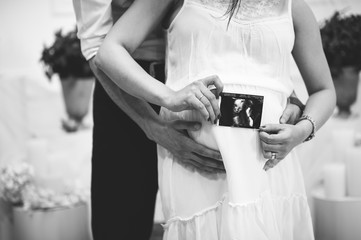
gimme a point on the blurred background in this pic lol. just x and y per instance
(46, 126)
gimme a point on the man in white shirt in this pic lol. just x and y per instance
(123, 129)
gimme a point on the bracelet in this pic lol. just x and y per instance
(307, 117)
(297, 102)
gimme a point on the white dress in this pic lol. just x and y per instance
(251, 56)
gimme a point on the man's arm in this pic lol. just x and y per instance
(170, 135)
(94, 21)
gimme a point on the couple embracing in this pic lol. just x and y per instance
(216, 182)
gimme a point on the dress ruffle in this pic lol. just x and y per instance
(270, 217)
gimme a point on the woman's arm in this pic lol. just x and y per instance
(114, 56)
(311, 61)
(114, 59)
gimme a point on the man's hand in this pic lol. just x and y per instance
(174, 137)
(290, 114)
(171, 135)
(292, 111)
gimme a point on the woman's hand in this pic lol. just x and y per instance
(198, 96)
(277, 140)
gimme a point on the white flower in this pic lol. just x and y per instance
(13, 179)
(39, 198)
(16, 187)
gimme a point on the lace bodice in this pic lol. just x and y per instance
(255, 50)
(248, 9)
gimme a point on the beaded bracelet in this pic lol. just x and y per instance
(307, 117)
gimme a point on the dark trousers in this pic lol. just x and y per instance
(124, 178)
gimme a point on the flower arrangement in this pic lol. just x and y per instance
(341, 39)
(17, 188)
(46, 199)
(64, 57)
(14, 179)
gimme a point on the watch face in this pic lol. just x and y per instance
(240, 110)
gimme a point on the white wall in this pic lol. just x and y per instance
(25, 26)
(325, 8)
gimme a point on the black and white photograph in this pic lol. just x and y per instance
(180, 120)
(241, 110)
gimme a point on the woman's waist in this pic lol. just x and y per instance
(282, 85)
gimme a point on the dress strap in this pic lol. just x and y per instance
(184, 3)
(289, 8)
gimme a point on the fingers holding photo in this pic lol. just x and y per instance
(203, 106)
(277, 140)
(210, 101)
(215, 81)
(198, 96)
(211, 87)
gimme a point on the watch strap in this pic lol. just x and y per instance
(297, 102)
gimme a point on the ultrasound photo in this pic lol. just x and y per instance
(241, 110)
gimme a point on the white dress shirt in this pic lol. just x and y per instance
(94, 20)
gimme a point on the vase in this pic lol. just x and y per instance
(353, 169)
(54, 224)
(336, 219)
(346, 86)
(77, 94)
(6, 221)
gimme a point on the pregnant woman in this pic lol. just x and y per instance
(240, 48)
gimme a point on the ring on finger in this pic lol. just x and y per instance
(200, 98)
(273, 156)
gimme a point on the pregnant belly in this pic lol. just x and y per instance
(274, 103)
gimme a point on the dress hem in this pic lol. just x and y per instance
(233, 205)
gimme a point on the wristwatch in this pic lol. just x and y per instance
(297, 102)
